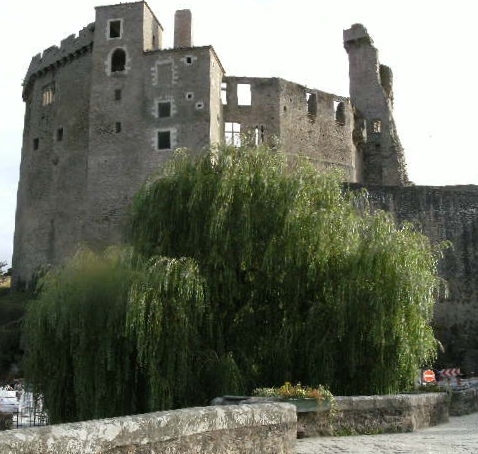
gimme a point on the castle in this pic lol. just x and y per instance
(108, 107)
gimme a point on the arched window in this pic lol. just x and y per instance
(118, 60)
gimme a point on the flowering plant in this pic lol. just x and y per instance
(289, 391)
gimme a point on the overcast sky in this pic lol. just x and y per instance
(428, 44)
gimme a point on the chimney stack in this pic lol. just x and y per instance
(182, 28)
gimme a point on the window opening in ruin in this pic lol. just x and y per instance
(340, 113)
(118, 127)
(312, 104)
(59, 134)
(36, 143)
(263, 133)
(118, 94)
(376, 126)
(243, 94)
(189, 95)
(48, 95)
(256, 136)
(153, 42)
(115, 29)
(118, 60)
(164, 140)
(189, 60)
(164, 109)
(232, 134)
(224, 92)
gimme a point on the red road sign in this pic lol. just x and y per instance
(428, 376)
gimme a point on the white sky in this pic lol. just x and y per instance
(428, 44)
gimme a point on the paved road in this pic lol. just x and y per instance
(460, 435)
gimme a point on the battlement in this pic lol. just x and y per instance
(69, 47)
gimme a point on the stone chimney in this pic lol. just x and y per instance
(182, 28)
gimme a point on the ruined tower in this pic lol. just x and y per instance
(371, 94)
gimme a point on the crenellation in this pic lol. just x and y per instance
(70, 46)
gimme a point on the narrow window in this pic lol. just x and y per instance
(164, 109)
(59, 134)
(340, 113)
(118, 60)
(244, 94)
(164, 140)
(48, 95)
(224, 93)
(312, 104)
(233, 134)
(189, 61)
(118, 94)
(376, 126)
(115, 29)
(36, 143)
(118, 127)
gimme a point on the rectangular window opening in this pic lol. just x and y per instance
(244, 94)
(376, 126)
(224, 93)
(164, 109)
(36, 143)
(118, 94)
(312, 104)
(115, 29)
(232, 132)
(164, 140)
(59, 134)
(118, 127)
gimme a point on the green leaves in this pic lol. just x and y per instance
(246, 269)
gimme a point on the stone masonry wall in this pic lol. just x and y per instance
(376, 414)
(311, 125)
(266, 428)
(52, 188)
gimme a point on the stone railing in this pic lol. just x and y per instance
(376, 414)
(269, 427)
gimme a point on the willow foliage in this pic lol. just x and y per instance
(113, 334)
(302, 285)
(246, 269)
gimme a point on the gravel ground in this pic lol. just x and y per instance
(460, 435)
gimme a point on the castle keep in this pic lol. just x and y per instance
(106, 108)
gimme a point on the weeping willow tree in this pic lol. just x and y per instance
(246, 269)
(113, 334)
(302, 285)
